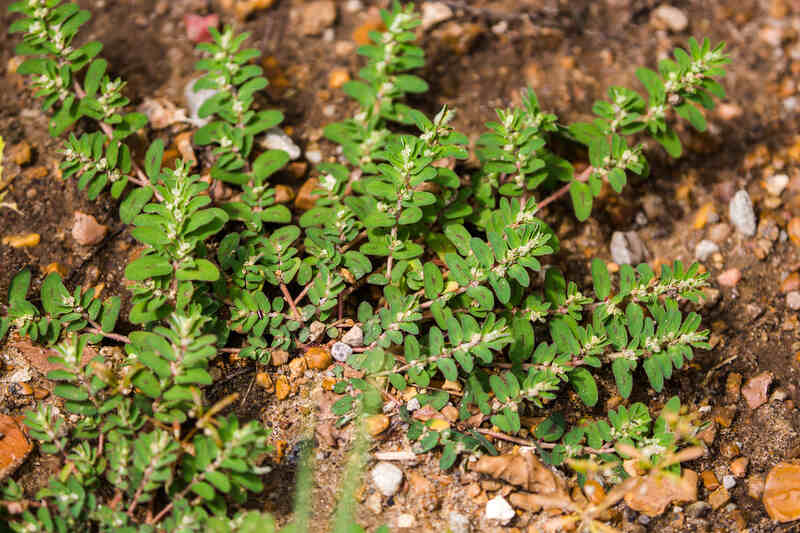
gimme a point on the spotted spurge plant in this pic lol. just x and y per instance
(443, 274)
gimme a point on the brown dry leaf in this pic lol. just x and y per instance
(653, 493)
(27, 240)
(37, 357)
(14, 445)
(782, 492)
(521, 468)
(162, 113)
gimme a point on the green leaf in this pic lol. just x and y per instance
(18, 289)
(622, 375)
(670, 141)
(551, 429)
(204, 490)
(269, 162)
(654, 373)
(433, 280)
(448, 368)
(94, 75)
(602, 281)
(146, 267)
(153, 158)
(132, 205)
(202, 270)
(581, 195)
(71, 392)
(278, 214)
(584, 384)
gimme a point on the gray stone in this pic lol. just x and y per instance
(341, 351)
(740, 211)
(499, 509)
(705, 249)
(728, 482)
(673, 18)
(196, 99)
(698, 509)
(459, 523)
(387, 478)
(354, 337)
(627, 248)
(276, 139)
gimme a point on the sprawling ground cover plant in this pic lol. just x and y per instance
(446, 271)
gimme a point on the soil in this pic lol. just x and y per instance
(570, 52)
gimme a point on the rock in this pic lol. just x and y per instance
(719, 232)
(265, 382)
(710, 481)
(376, 424)
(705, 249)
(435, 12)
(405, 521)
(652, 494)
(314, 157)
(278, 357)
(627, 248)
(728, 111)
(740, 211)
(282, 388)
(276, 139)
(755, 486)
(669, 17)
(373, 503)
(194, 100)
(243, 8)
(458, 523)
(39, 357)
(706, 214)
(14, 445)
(27, 240)
(354, 337)
(338, 77)
(738, 466)
(790, 283)
(318, 358)
(718, 498)
(755, 389)
(387, 478)
(730, 277)
(161, 113)
(733, 387)
(793, 230)
(312, 18)
(20, 153)
(728, 482)
(698, 509)
(305, 200)
(499, 509)
(184, 143)
(197, 27)
(316, 329)
(776, 183)
(341, 351)
(793, 300)
(283, 194)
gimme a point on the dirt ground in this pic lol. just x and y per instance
(570, 52)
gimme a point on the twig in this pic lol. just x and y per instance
(247, 393)
(290, 301)
(583, 176)
(395, 456)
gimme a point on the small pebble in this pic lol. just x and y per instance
(740, 211)
(20, 153)
(459, 523)
(499, 509)
(435, 12)
(318, 358)
(27, 240)
(197, 27)
(338, 77)
(387, 478)
(627, 248)
(354, 337)
(698, 509)
(730, 277)
(276, 139)
(405, 521)
(790, 283)
(194, 100)
(376, 424)
(738, 467)
(313, 18)
(305, 198)
(341, 351)
(670, 17)
(413, 404)
(314, 157)
(793, 300)
(782, 492)
(704, 249)
(776, 184)
(282, 388)
(793, 230)
(728, 482)
(755, 389)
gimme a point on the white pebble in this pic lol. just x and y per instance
(276, 139)
(776, 183)
(354, 337)
(458, 523)
(728, 481)
(499, 509)
(793, 300)
(405, 521)
(314, 157)
(387, 478)
(196, 99)
(341, 351)
(740, 211)
(705, 249)
(413, 404)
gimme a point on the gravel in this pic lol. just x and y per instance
(196, 99)
(705, 249)
(387, 478)
(740, 211)
(276, 139)
(341, 351)
(499, 509)
(459, 523)
(627, 248)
